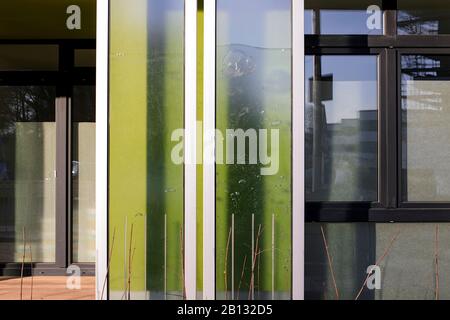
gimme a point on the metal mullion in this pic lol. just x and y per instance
(101, 152)
(298, 151)
(391, 108)
(190, 141)
(209, 170)
(61, 192)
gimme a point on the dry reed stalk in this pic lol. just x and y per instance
(109, 264)
(436, 262)
(386, 252)
(225, 271)
(255, 255)
(330, 263)
(32, 277)
(23, 264)
(242, 276)
(183, 275)
(129, 263)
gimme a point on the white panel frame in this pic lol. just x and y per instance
(101, 167)
(298, 150)
(190, 147)
(209, 169)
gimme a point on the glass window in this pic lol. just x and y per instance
(338, 255)
(343, 17)
(83, 174)
(28, 57)
(341, 123)
(253, 195)
(423, 17)
(27, 172)
(425, 91)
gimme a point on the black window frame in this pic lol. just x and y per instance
(389, 47)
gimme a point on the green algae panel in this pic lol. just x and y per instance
(253, 258)
(146, 187)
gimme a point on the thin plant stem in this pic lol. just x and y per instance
(129, 263)
(182, 262)
(32, 277)
(255, 255)
(436, 261)
(23, 264)
(386, 252)
(109, 264)
(225, 271)
(242, 276)
(330, 263)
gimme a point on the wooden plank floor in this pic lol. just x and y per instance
(46, 288)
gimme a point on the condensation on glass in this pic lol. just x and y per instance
(346, 17)
(146, 186)
(83, 174)
(253, 196)
(403, 260)
(27, 172)
(341, 128)
(425, 109)
(416, 17)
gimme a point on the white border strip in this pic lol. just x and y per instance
(298, 124)
(209, 170)
(190, 168)
(101, 167)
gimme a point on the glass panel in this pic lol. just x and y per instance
(28, 58)
(146, 186)
(83, 174)
(343, 17)
(85, 58)
(407, 256)
(423, 17)
(253, 196)
(27, 172)
(341, 124)
(425, 127)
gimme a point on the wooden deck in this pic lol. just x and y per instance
(46, 288)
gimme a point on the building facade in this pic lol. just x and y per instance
(228, 149)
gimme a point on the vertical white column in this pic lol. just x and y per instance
(101, 191)
(298, 123)
(209, 171)
(190, 148)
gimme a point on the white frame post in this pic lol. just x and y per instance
(190, 145)
(101, 166)
(209, 170)
(298, 152)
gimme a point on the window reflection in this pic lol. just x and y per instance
(341, 128)
(425, 130)
(423, 17)
(343, 17)
(27, 166)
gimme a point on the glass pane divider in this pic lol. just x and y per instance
(190, 169)
(209, 181)
(298, 165)
(102, 84)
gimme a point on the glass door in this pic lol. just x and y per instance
(47, 158)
